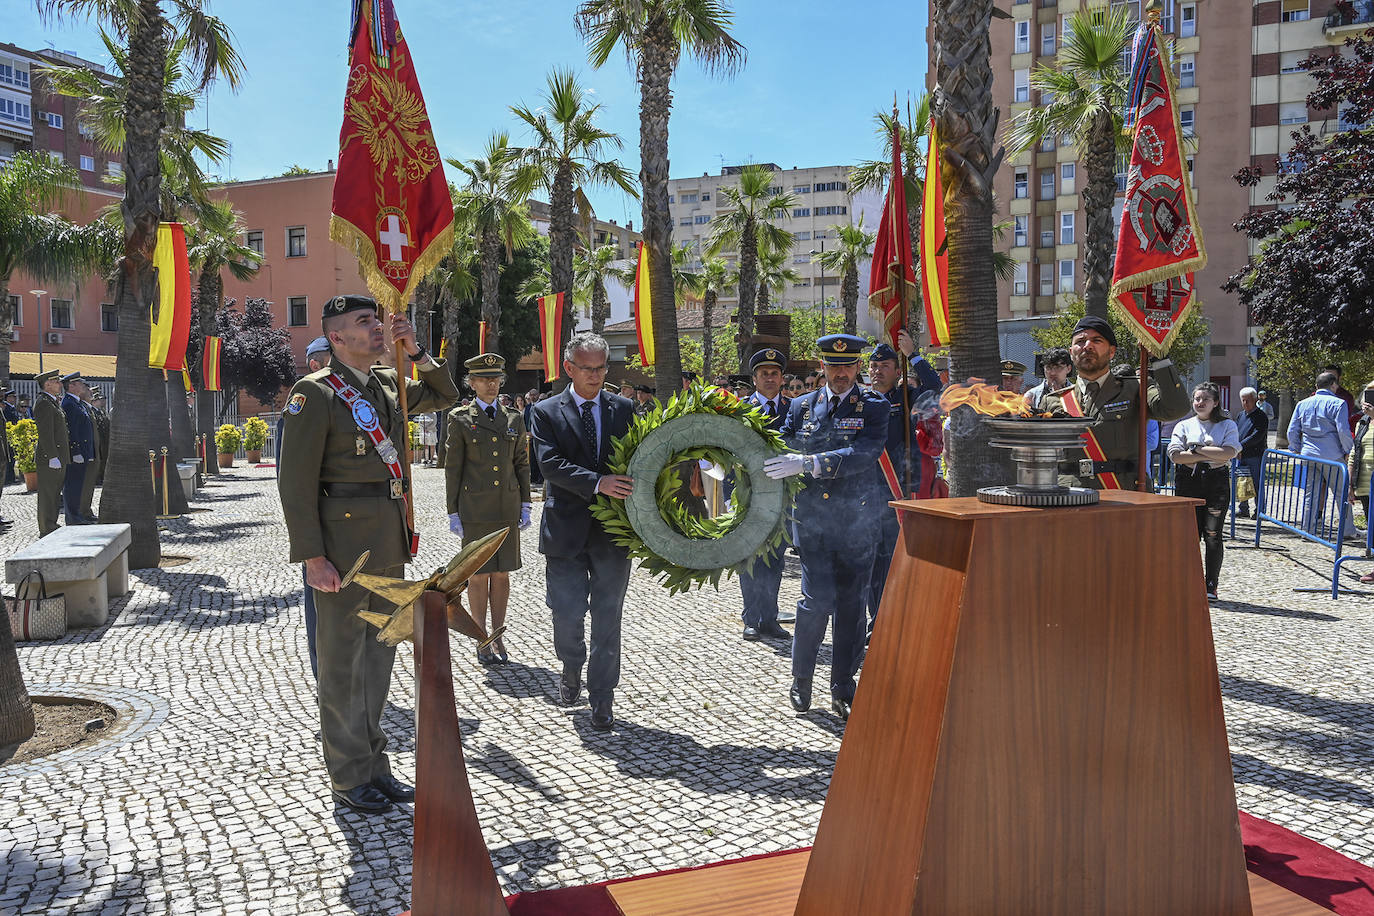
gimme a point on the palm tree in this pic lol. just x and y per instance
(1083, 96)
(45, 246)
(591, 269)
(567, 159)
(967, 120)
(492, 207)
(655, 34)
(144, 30)
(855, 247)
(747, 226)
(774, 274)
(716, 278)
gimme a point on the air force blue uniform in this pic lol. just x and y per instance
(759, 585)
(81, 435)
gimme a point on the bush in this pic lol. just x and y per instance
(228, 439)
(254, 434)
(23, 438)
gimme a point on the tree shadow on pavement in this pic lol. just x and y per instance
(1356, 716)
(1244, 607)
(529, 856)
(185, 531)
(508, 768)
(1253, 771)
(191, 603)
(524, 682)
(379, 859)
(1347, 751)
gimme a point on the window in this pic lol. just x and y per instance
(54, 120)
(17, 311)
(1187, 74)
(801, 211)
(1020, 183)
(701, 219)
(1166, 22)
(705, 195)
(827, 186)
(109, 317)
(1066, 27)
(774, 191)
(832, 211)
(1046, 232)
(1066, 283)
(1295, 10)
(61, 313)
(685, 221)
(801, 189)
(10, 110)
(1047, 279)
(56, 155)
(1185, 121)
(295, 242)
(1293, 113)
(779, 214)
(1187, 23)
(12, 75)
(1020, 85)
(1047, 39)
(1285, 166)
(1346, 121)
(801, 237)
(1047, 184)
(87, 164)
(114, 169)
(1021, 42)
(1020, 285)
(1066, 139)
(1189, 160)
(672, 199)
(802, 259)
(688, 198)
(297, 311)
(821, 234)
(1020, 230)
(1068, 171)
(1123, 165)
(1291, 61)
(1047, 144)
(254, 240)
(1066, 227)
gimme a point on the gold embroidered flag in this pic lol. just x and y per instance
(644, 316)
(551, 332)
(171, 326)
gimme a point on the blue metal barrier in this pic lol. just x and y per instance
(1308, 497)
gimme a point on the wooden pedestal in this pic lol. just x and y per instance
(1039, 726)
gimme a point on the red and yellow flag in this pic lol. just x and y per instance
(892, 279)
(1091, 447)
(551, 332)
(1159, 245)
(644, 315)
(481, 337)
(391, 207)
(934, 256)
(209, 365)
(171, 325)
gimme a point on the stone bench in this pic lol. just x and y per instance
(87, 563)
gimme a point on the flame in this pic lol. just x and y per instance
(984, 399)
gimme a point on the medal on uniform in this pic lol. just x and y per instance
(359, 446)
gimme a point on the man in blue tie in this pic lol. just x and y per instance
(759, 585)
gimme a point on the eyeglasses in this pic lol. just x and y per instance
(593, 370)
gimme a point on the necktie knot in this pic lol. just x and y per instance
(1093, 389)
(772, 409)
(834, 403)
(491, 411)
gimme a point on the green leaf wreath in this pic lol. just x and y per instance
(704, 399)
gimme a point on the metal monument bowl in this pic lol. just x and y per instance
(1037, 446)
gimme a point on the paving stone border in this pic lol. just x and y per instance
(139, 712)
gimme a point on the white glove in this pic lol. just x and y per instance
(78, 459)
(780, 466)
(55, 464)
(525, 510)
(455, 524)
(711, 469)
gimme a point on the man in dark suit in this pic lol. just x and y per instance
(81, 436)
(11, 414)
(838, 430)
(759, 586)
(585, 571)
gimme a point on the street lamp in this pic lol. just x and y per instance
(38, 295)
(813, 254)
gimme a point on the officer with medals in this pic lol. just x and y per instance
(342, 493)
(487, 477)
(759, 585)
(1113, 399)
(52, 453)
(839, 430)
(81, 440)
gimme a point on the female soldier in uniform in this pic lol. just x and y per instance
(487, 469)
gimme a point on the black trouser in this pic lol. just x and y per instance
(1214, 486)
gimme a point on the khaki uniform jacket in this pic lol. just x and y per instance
(1117, 411)
(52, 431)
(327, 447)
(486, 466)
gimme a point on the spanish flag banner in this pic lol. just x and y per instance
(934, 256)
(209, 367)
(443, 347)
(644, 316)
(481, 337)
(171, 325)
(892, 278)
(550, 332)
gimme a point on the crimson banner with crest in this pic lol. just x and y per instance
(391, 207)
(1159, 245)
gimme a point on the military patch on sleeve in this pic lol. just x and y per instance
(294, 405)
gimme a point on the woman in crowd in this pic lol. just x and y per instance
(793, 387)
(1362, 459)
(1201, 449)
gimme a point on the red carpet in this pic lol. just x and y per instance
(1292, 861)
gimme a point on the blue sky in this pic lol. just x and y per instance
(817, 71)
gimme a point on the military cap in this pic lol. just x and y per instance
(96, 393)
(647, 389)
(318, 345)
(883, 351)
(840, 349)
(71, 377)
(610, 387)
(689, 376)
(1012, 367)
(486, 365)
(6, 392)
(1093, 323)
(342, 305)
(42, 377)
(740, 379)
(768, 357)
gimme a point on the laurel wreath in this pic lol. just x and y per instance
(614, 517)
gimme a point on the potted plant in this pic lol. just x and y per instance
(254, 438)
(23, 438)
(227, 442)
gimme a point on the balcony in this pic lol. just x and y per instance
(1348, 16)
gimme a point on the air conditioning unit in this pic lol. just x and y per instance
(54, 337)
(14, 334)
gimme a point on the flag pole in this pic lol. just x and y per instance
(401, 379)
(900, 279)
(1142, 465)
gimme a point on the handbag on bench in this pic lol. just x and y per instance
(44, 617)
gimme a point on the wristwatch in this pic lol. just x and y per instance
(418, 357)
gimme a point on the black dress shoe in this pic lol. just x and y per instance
(486, 657)
(751, 634)
(393, 788)
(569, 686)
(840, 707)
(771, 628)
(800, 694)
(365, 798)
(602, 717)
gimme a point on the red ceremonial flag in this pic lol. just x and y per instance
(391, 202)
(209, 365)
(892, 279)
(481, 337)
(1159, 244)
(643, 309)
(551, 332)
(934, 255)
(170, 329)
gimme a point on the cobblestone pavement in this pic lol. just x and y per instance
(212, 799)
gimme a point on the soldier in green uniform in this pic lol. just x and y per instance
(487, 471)
(53, 453)
(1113, 399)
(342, 493)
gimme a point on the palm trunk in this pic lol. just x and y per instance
(849, 296)
(748, 289)
(762, 302)
(6, 331)
(1099, 241)
(561, 238)
(601, 307)
(968, 123)
(491, 281)
(657, 60)
(16, 712)
(708, 343)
